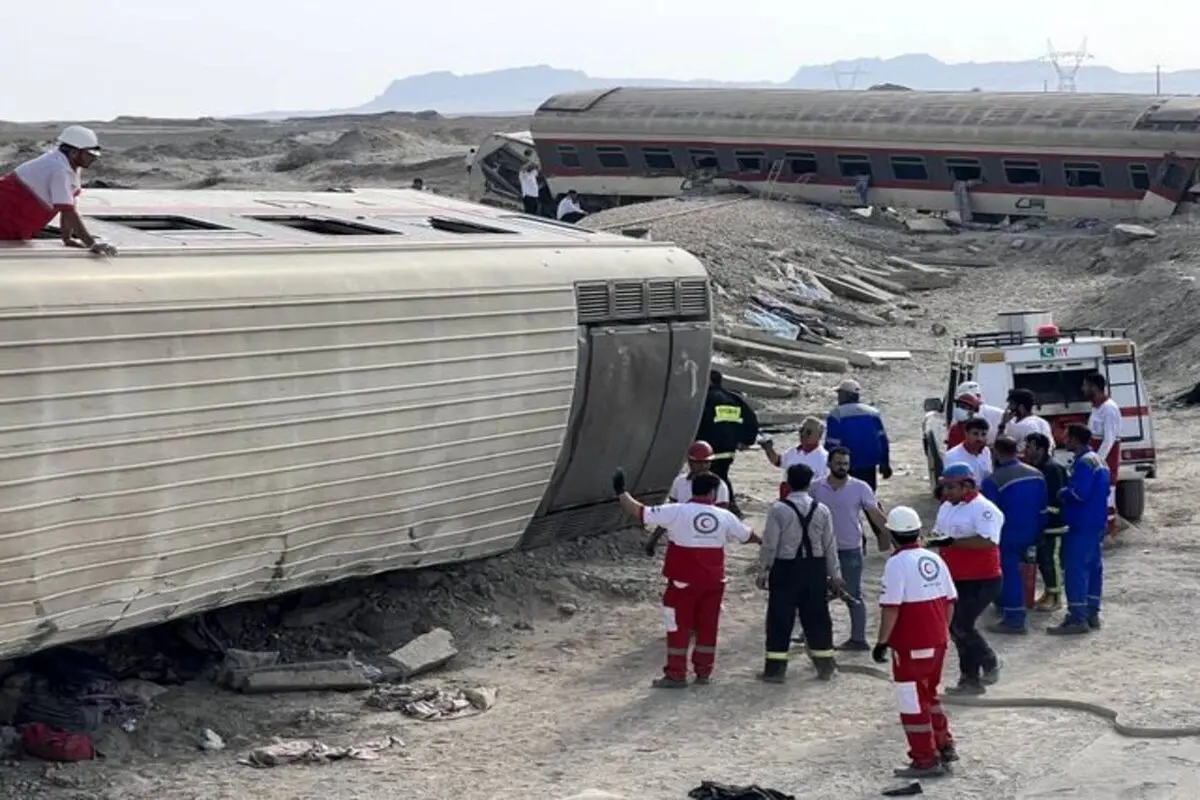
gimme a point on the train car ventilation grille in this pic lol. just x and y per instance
(629, 300)
(591, 302)
(693, 297)
(663, 299)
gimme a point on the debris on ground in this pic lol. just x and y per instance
(1126, 232)
(311, 751)
(708, 790)
(342, 674)
(41, 741)
(424, 653)
(210, 740)
(429, 703)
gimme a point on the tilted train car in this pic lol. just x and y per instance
(269, 391)
(985, 155)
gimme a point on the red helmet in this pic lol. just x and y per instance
(700, 451)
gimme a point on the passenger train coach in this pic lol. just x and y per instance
(269, 391)
(985, 155)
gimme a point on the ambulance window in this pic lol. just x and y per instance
(1053, 387)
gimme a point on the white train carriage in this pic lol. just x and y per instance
(270, 391)
(984, 155)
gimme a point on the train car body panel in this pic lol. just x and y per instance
(234, 412)
(980, 153)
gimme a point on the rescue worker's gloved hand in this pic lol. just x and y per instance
(880, 653)
(103, 249)
(618, 481)
(885, 472)
(945, 541)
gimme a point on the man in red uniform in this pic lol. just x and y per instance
(1105, 424)
(916, 603)
(695, 571)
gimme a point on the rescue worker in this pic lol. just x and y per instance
(974, 451)
(968, 404)
(798, 563)
(699, 459)
(917, 598)
(530, 189)
(808, 452)
(40, 189)
(695, 571)
(569, 209)
(1105, 424)
(1019, 491)
(968, 529)
(1039, 453)
(859, 428)
(1019, 420)
(728, 422)
(848, 499)
(1084, 504)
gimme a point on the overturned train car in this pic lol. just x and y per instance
(267, 392)
(984, 155)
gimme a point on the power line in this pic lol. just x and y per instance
(852, 74)
(1066, 63)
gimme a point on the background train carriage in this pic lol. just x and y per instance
(270, 391)
(1044, 154)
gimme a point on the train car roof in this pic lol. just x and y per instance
(1045, 110)
(259, 219)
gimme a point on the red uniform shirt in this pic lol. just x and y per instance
(974, 516)
(918, 583)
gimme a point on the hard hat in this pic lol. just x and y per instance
(967, 387)
(903, 519)
(850, 386)
(700, 451)
(80, 138)
(957, 472)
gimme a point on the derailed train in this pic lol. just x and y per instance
(984, 155)
(269, 391)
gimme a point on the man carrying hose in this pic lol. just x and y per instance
(916, 601)
(695, 571)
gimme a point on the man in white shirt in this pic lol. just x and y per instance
(974, 451)
(1104, 422)
(808, 452)
(470, 159)
(569, 209)
(530, 190)
(1019, 421)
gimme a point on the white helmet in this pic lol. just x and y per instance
(79, 137)
(967, 388)
(903, 519)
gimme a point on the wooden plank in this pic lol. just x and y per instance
(745, 349)
(854, 357)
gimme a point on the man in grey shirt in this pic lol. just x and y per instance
(798, 562)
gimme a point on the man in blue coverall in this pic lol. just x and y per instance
(1084, 503)
(1019, 490)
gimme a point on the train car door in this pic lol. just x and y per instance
(1171, 183)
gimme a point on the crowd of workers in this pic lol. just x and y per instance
(1006, 505)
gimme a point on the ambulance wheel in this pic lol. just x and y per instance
(1131, 499)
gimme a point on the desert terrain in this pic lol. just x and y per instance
(570, 637)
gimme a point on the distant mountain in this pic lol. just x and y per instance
(521, 89)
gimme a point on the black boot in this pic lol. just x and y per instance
(1093, 621)
(774, 671)
(826, 667)
(949, 754)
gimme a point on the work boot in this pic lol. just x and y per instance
(990, 677)
(1005, 628)
(1049, 601)
(702, 680)
(935, 770)
(966, 687)
(852, 646)
(669, 683)
(826, 668)
(774, 671)
(1069, 627)
(1093, 621)
(949, 754)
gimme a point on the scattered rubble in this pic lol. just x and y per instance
(311, 751)
(1126, 232)
(424, 653)
(210, 740)
(429, 703)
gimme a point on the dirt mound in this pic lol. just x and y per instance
(218, 147)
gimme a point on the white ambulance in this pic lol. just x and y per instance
(1053, 368)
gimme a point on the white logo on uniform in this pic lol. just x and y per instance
(928, 568)
(706, 523)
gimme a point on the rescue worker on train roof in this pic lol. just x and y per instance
(798, 564)
(699, 460)
(916, 601)
(1084, 503)
(1039, 452)
(40, 189)
(1104, 422)
(728, 423)
(694, 567)
(1020, 492)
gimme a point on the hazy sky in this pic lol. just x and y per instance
(99, 58)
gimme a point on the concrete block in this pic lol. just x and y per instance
(342, 674)
(426, 652)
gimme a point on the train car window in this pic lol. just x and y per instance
(909, 168)
(964, 169)
(1022, 173)
(568, 156)
(658, 158)
(801, 163)
(750, 161)
(160, 222)
(851, 166)
(324, 226)
(1139, 176)
(1084, 175)
(705, 159)
(612, 157)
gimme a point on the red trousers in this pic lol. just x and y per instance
(917, 675)
(694, 608)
